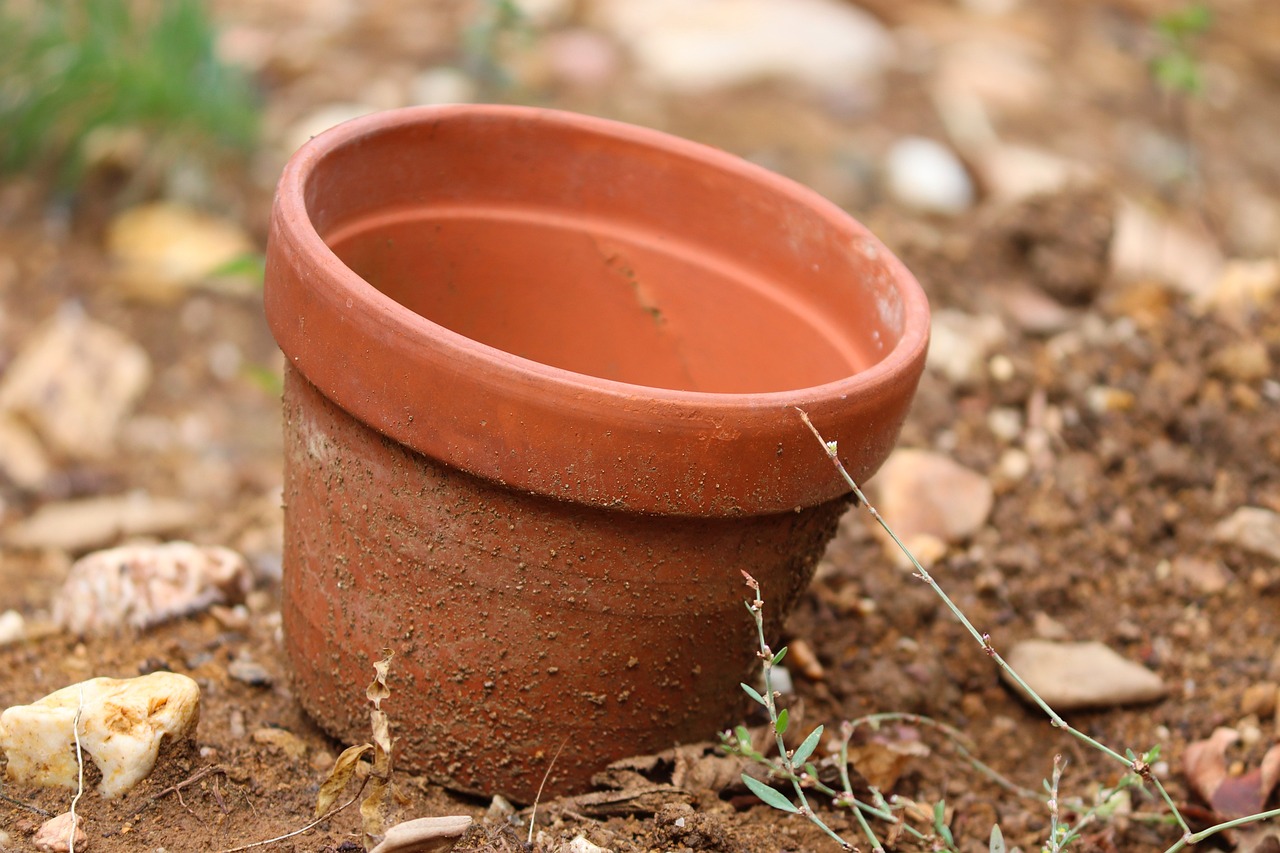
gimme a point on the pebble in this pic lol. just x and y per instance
(318, 121)
(927, 176)
(139, 586)
(424, 835)
(1147, 245)
(582, 58)
(249, 672)
(55, 834)
(923, 494)
(162, 249)
(960, 343)
(122, 723)
(79, 525)
(580, 844)
(22, 458)
(1253, 529)
(1082, 675)
(12, 627)
(803, 655)
(281, 739)
(1243, 361)
(1259, 699)
(1243, 287)
(1204, 576)
(688, 47)
(75, 382)
(442, 85)
(1012, 172)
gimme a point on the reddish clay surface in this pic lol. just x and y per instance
(543, 409)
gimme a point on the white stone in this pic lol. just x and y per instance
(55, 834)
(122, 725)
(1012, 172)
(319, 120)
(924, 494)
(1146, 245)
(22, 457)
(75, 381)
(137, 586)
(442, 86)
(1244, 287)
(698, 45)
(580, 844)
(78, 525)
(158, 250)
(926, 175)
(12, 627)
(959, 344)
(1253, 529)
(1081, 675)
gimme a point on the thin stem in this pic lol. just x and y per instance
(1135, 765)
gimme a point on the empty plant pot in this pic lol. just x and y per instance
(541, 409)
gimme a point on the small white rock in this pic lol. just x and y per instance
(1244, 287)
(12, 627)
(138, 586)
(580, 844)
(959, 344)
(1146, 245)
(698, 46)
(1252, 528)
(926, 175)
(1082, 675)
(442, 85)
(78, 525)
(75, 382)
(122, 724)
(925, 494)
(55, 834)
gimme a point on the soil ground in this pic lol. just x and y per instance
(1106, 537)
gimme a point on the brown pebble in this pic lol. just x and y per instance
(805, 658)
(1259, 699)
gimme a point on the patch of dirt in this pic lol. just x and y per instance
(1142, 423)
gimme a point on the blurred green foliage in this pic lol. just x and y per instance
(1176, 68)
(70, 69)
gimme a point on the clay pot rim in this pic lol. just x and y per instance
(895, 364)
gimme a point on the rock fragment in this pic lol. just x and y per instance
(1252, 529)
(79, 525)
(138, 586)
(926, 175)
(930, 499)
(55, 835)
(1081, 675)
(122, 725)
(75, 382)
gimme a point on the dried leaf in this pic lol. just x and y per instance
(371, 820)
(884, 758)
(1205, 766)
(424, 835)
(1205, 762)
(377, 689)
(339, 776)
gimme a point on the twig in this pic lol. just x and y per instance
(303, 829)
(533, 811)
(75, 731)
(1139, 766)
(173, 789)
(28, 806)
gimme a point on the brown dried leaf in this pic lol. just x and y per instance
(1205, 766)
(377, 689)
(883, 760)
(1205, 762)
(371, 820)
(343, 769)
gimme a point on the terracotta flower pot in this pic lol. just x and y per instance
(539, 413)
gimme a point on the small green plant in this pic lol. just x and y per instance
(71, 70)
(485, 39)
(1176, 68)
(798, 768)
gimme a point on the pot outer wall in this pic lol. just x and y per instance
(519, 622)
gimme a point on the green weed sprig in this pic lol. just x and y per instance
(1138, 767)
(71, 68)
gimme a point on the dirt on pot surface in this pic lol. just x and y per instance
(1106, 333)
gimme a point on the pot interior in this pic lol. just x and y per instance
(614, 258)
